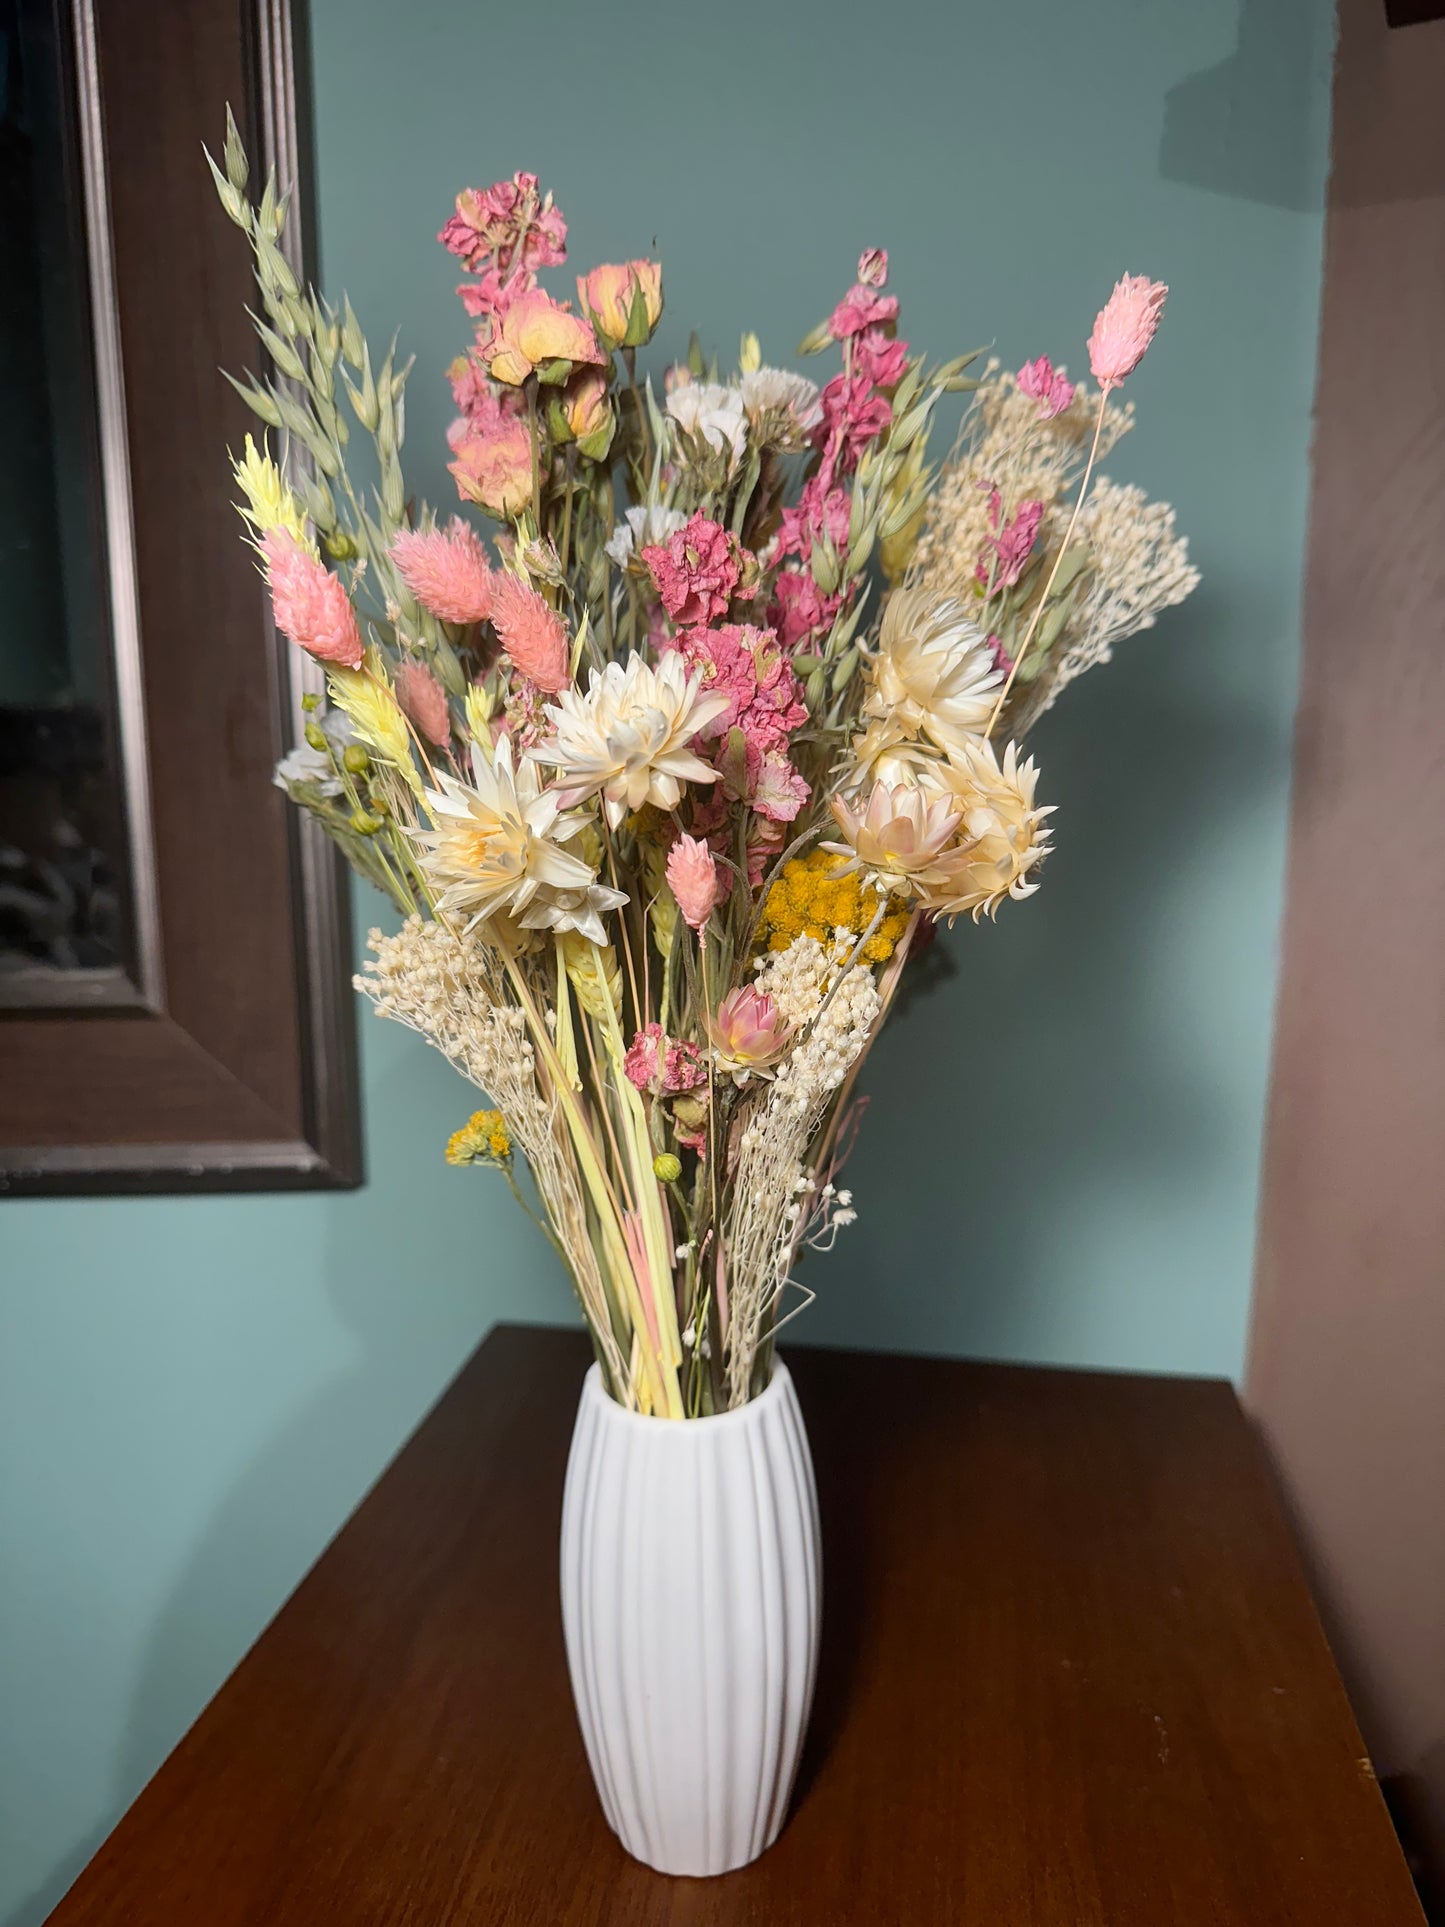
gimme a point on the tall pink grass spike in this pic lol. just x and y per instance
(310, 604)
(531, 632)
(446, 570)
(1124, 328)
(425, 701)
(692, 876)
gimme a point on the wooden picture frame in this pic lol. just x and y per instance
(231, 1061)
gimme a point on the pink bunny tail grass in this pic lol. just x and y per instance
(309, 603)
(1124, 328)
(425, 702)
(446, 570)
(531, 632)
(692, 876)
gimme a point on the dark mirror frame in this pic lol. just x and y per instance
(234, 1065)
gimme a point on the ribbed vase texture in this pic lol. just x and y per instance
(691, 1596)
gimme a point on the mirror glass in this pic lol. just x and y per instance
(66, 923)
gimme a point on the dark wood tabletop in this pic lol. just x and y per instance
(1071, 1674)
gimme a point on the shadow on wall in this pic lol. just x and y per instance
(1223, 128)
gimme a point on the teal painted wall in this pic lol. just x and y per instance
(1061, 1160)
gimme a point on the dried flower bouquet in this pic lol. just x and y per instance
(671, 777)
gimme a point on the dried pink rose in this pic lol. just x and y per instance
(309, 603)
(1124, 328)
(1050, 388)
(425, 701)
(696, 570)
(531, 633)
(446, 570)
(692, 877)
(493, 458)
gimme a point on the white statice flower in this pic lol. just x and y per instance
(627, 737)
(495, 851)
(643, 528)
(709, 412)
(933, 673)
(307, 768)
(783, 407)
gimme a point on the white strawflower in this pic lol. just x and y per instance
(776, 400)
(494, 850)
(1003, 836)
(626, 737)
(643, 528)
(710, 413)
(933, 673)
(904, 838)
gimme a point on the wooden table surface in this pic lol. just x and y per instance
(1071, 1674)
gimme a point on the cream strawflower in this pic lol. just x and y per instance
(903, 840)
(494, 851)
(626, 737)
(933, 673)
(1002, 834)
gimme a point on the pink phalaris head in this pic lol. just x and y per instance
(1124, 328)
(425, 701)
(692, 877)
(446, 570)
(531, 633)
(309, 603)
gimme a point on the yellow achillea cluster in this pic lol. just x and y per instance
(811, 899)
(483, 1139)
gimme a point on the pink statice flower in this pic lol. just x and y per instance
(1003, 661)
(853, 413)
(650, 1067)
(1012, 544)
(819, 512)
(446, 570)
(1124, 328)
(861, 307)
(309, 603)
(696, 570)
(693, 878)
(748, 667)
(531, 633)
(425, 701)
(873, 267)
(879, 357)
(503, 234)
(1050, 387)
(780, 792)
(799, 611)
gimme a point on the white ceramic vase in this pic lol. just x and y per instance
(691, 1597)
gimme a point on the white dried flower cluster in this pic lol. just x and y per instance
(772, 1145)
(799, 978)
(1003, 444)
(1140, 566)
(443, 986)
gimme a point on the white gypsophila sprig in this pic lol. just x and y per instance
(1140, 565)
(775, 1132)
(445, 987)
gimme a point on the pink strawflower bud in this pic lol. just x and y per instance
(425, 701)
(873, 267)
(531, 632)
(692, 876)
(1124, 328)
(446, 570)
(309, 603)
(747, 1031)
(1044, 384)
